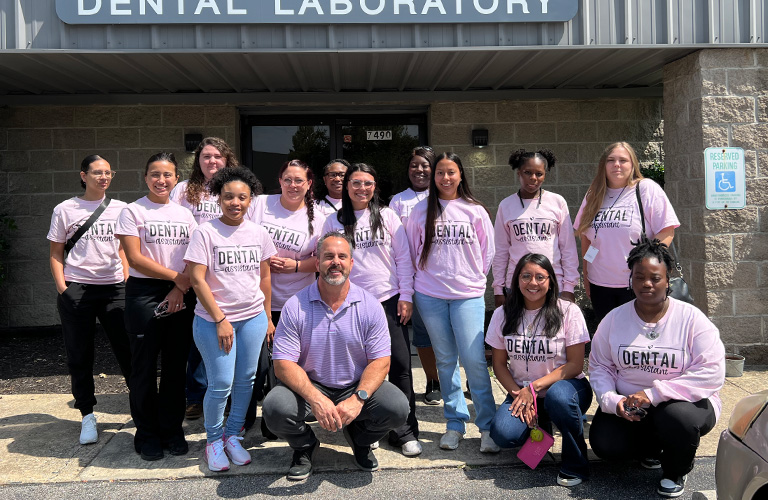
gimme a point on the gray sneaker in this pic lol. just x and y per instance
(432, 394)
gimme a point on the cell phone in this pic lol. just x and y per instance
(635, 411)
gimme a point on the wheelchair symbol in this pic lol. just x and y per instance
(726, 182)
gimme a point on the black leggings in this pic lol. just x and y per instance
(400, 374)
(79, 306)
(605, 299)
(158, 414)
(670, 432)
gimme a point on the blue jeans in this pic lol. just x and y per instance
(455, 328)
(229, 373)
(563, 404)
(420, 335)
(197, 380)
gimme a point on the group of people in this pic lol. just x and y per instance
(330, 282)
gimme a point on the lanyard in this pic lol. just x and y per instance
(541, 194)
(609, 208)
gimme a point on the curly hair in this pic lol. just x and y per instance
(519, 157)
(197, 183)
(645, 248)
(233, 174)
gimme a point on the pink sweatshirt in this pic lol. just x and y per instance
(233, 257)
(382, 266)
(403, 202)
(618, 225)
(290, 234)
(325, 208)
(164, 231)
(686, 362)
(526, 227)
(531, 353)
(95, 258)
(461, 251)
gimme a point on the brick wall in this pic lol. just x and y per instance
(716, 98)
(40, 153)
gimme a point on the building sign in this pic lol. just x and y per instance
(378, 135)
(313, 11)
(725, 178)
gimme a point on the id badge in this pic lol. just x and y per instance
(591, 254)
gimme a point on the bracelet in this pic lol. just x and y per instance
(297, 267)
(222, 319)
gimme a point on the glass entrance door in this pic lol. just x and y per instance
(382, 141)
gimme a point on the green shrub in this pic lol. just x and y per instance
(654, 171)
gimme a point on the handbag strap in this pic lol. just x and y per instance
(640, 204)
(678, 267)
(85, 227)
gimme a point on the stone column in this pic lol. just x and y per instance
(719, 98)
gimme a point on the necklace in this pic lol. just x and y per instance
(529, 330)
(653, 332)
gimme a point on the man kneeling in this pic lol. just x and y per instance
(331, 355)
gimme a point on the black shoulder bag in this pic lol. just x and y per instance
(85, 227)
(678, 288)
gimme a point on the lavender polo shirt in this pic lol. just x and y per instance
(333, 348)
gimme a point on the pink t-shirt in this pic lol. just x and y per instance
(95, 258)
(233, 256)
(461, 252)
(532, 354)
(290, 233)
(618, 225)
(524, 226)
(328, 205)
(383, 264)
(686, 360)
(206, 209)
(164, 231)
(403, 202)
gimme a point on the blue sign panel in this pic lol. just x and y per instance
(313, 11)
(726, 182)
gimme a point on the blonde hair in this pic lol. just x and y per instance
(596, 191)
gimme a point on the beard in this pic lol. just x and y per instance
(335, 281)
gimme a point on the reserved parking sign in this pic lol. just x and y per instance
(725, 178)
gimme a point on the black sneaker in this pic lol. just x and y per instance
(672, 488)
(432, 394)
(364, 457)
(650, 463)
(151, 451)
(177, 446)
(193, 411)
(301, 463)
(568, 480)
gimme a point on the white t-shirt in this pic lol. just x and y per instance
(290, 234)
(164, 231)
(617, 224)
(532, 354)
(95, 258)
(233, 256)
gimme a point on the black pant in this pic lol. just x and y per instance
(670, 432)
(79, 306)
(605, 299)
(400, 372)
(158, 415)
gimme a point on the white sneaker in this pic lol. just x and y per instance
(236, 452)
(487, 444)
(411, 448)
(88, 432)
(375, 445)
(450, 440)
(215, 457)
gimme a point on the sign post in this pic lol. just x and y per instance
(725, 178)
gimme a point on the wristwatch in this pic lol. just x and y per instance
(363, 395)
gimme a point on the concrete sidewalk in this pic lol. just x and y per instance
(39, 441)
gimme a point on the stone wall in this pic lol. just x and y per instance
(40, 153)
(718, 98)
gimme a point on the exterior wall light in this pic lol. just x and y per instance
(479, 138)
(191, 141)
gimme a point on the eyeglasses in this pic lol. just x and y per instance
(528, 277)
(357, 184)
(425, 148)
(335, 175)
(103, 173)
(293, 182)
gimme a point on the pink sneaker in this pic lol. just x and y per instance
(236, 452)
(215, 456)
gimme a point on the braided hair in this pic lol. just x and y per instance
(309, 199)
(645, 249)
